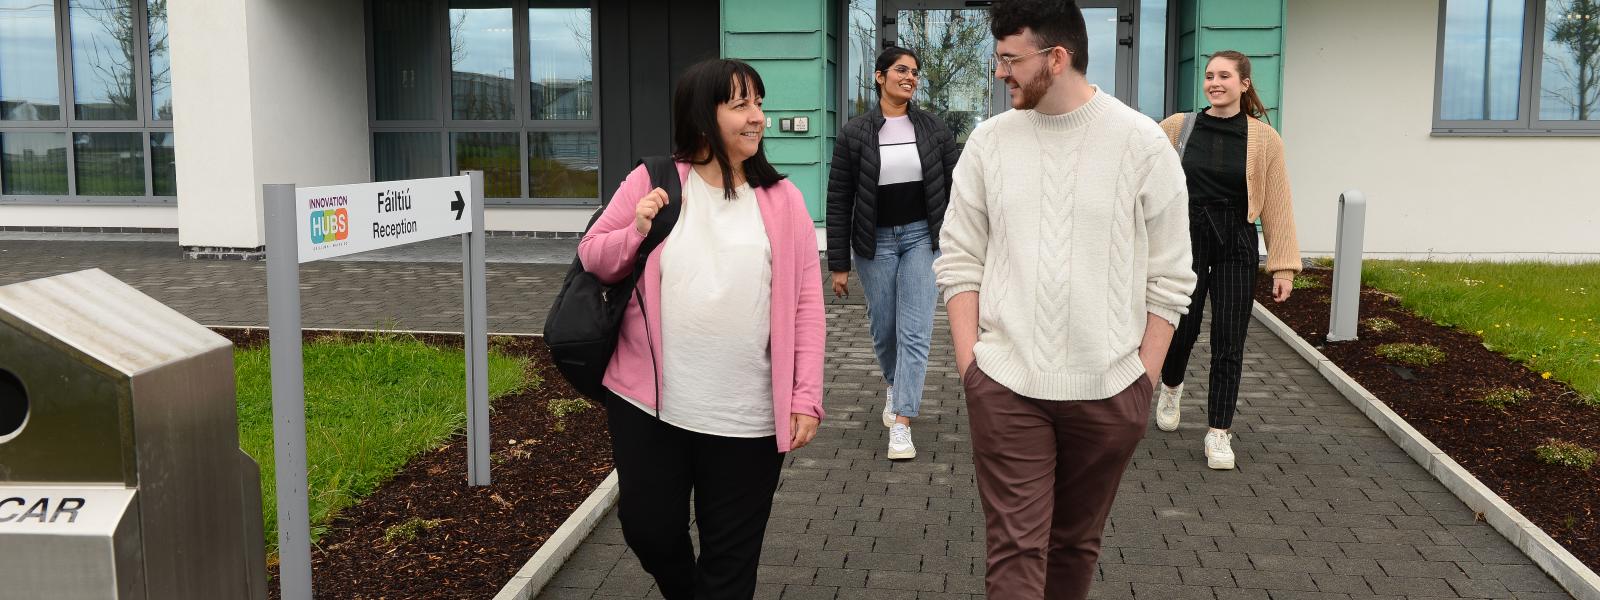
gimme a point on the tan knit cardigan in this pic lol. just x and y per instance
(1267, 185)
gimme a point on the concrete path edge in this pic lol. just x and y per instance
(548, 560)
(1566, 569)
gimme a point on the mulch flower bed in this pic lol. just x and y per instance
(1497, 445)
(426, 534)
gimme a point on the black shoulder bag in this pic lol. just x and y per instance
(582, 326)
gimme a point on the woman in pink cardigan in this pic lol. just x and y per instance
(719, 374)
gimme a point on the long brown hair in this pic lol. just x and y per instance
(1250, 101)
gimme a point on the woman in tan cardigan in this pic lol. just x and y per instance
(1233, 161)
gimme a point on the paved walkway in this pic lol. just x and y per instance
(1322, 507)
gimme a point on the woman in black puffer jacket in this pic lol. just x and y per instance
(888, 187)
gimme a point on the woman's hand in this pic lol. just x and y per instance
(1281, 288)
(645, 212)
(803, 427)
(841, 287)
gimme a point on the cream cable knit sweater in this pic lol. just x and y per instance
(1071, 227)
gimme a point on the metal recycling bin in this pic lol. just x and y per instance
(120, 469)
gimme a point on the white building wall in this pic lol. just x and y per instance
(264, 91)
(1357, 113)
(28, 215)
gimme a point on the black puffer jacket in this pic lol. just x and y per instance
(853, 182)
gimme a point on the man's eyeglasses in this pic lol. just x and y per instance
(1005, 62)
(905, 70)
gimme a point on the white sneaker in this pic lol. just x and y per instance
(888, 407)
(900, 446)
(1219, 453)
(1167, 407)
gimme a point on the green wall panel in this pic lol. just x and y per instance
(791, 44)
(1254, 27)
(776, 44)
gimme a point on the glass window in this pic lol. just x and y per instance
(560, 62)
(1482, 72)
(405, 71)
(564, 165)
(29, 88)
(1102, 26)
(33, 163)
(496, 154)
(862, 43)
(1570, 72)
(163, 165)
(160, 62)
(109, 164)
(406, 155)
(483, 62)
(1153, 58)
(103, 56)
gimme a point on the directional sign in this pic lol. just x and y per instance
(337, 220)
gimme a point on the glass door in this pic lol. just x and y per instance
(957, 49)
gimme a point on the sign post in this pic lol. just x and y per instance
(316, 223)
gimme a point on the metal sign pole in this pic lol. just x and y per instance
(476, 327)
(288, 393)
(1347, 266)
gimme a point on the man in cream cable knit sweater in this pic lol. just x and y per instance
(1065, 268)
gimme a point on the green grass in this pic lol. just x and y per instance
(1544, 315)
(1565, 454)
(371, 405)
(1416, 355)
(561, 408)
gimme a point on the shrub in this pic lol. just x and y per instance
(1416, 355)
(409, 530)
(1500, 398)
(560, 408)
(1381, 325)
(1565, 454)
(1303, 282)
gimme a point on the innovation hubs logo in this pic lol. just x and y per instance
(330, 222)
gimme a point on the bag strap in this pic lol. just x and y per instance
(663, 174)
(1188, 127)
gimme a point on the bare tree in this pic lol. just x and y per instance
(1576, 25)
(863, 38)
(954, 86)
(110, 57)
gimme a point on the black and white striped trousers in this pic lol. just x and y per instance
(1225, 263)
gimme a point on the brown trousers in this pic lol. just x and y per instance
(1047, 474)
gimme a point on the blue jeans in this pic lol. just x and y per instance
(901, 296)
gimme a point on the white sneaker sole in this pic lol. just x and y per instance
(888, 419)
(906, 454)
(1225, 464)
(1163, 425)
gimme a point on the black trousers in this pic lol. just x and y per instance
(1226, 261)
(732, 481)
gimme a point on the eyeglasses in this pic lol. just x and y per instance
(1005, 62)
(905, 70)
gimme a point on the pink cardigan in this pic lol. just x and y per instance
(798, 328)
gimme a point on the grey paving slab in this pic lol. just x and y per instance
(1322, 505)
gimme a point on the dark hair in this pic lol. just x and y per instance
(887, 58)
(1250, 101)
(1053, 22)
(701, 88)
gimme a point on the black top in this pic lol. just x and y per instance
(902, 203)
(1213, 162)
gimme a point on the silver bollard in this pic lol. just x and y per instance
(1347, 267)
(121, 476)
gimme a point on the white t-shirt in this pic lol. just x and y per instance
(716, 296)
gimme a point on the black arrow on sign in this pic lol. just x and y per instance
(458, 205)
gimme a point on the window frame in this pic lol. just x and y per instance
(522, 125)
(70, 125)
(1529, 90)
